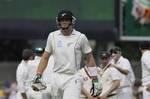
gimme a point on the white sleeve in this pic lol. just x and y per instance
(48, 47)
(115, 74)
(21, 78)
(146, 62)
(125, 65)
(85, 46)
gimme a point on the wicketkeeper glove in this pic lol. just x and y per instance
(96, 88)
(37, 84)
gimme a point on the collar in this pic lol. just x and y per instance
(73, 32)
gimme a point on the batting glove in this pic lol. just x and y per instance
(37, 84)
(96, 88)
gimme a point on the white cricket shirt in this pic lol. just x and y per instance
(127, 80)
(145, 61)
(67, 50)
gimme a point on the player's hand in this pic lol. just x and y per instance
(37, 84)
(91, 97)
(37, 78)
(104, 96)
(112, 65)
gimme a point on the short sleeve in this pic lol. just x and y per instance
(115, 74)
(48, 47)
(85, 46)
(125, 65)
(146, 61)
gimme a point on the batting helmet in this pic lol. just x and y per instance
(65, 15)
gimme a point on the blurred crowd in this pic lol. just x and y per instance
(8, 90)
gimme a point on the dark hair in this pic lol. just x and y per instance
(144, 45)
(26, 54)
(115, 49)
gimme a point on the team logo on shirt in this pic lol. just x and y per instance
(59, 43)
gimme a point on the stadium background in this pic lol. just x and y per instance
(27, 23)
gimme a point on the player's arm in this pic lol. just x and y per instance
(37, 84)
(122, 70)
(114, 86)
(91, 65)
(90, 60)
(87, 50)
(87, 94)
(116, 78)
(45, 57)
(43, 63)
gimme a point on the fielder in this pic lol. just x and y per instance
(123, 66)
(145, 62)
(67, 46)
(22, 73)
(110, 78)
(32, 67)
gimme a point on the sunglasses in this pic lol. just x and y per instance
(114, 52)
(104, 58)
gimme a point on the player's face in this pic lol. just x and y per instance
(116, 55)
(65, 23)
(104, 60)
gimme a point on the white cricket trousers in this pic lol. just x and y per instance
(44, 94)
(33, 94)
(146, 94)
(66, 86)
(18, 95)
